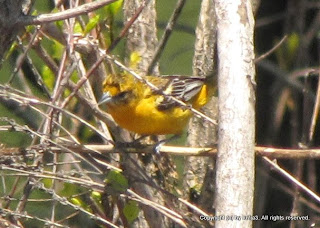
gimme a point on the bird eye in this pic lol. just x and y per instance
(123, 95)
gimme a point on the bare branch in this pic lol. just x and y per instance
(46, 18)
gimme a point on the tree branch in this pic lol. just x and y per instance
(51, 17)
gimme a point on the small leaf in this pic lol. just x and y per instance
(116, 182)
(115, 7)
(96, 196)
(77, 201)
(47, 183)
(48, 77)
(69, 190)
(78, 29)
(109, 11)
(131, 211)
(293, 44)
(91, 24)
(12, 48)
(57, 49)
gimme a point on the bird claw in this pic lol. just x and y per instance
(157, 147)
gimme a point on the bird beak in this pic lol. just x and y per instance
(106, 97)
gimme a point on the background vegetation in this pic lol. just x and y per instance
(49, 180)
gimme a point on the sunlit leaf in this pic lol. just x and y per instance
(78, 28)
(131, 211)
(109, 11)
(91, 24)
(48, 77)
(115, 7)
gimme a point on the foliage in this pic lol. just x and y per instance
(49, 174)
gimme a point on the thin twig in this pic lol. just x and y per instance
(46, 18)
(282, 75)
(24, 54)
(28, 217)
(162, 209)
(272, 152)
(127, 26)
(315, 114)
(34, 101)
(271, 50)
(165, 37)
(292, 179)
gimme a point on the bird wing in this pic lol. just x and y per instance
(183, 88)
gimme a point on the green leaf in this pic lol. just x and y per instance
(48, 77)
(293, 44)
(78, 28)
(96, 196)
(115, 7)
(78, 202)
(286, 54)
(57, 49)
(92, 24)
(116, 182)
(13, 47)
(131, 211)
(69, 190)
(110, 10)
(47, 182)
